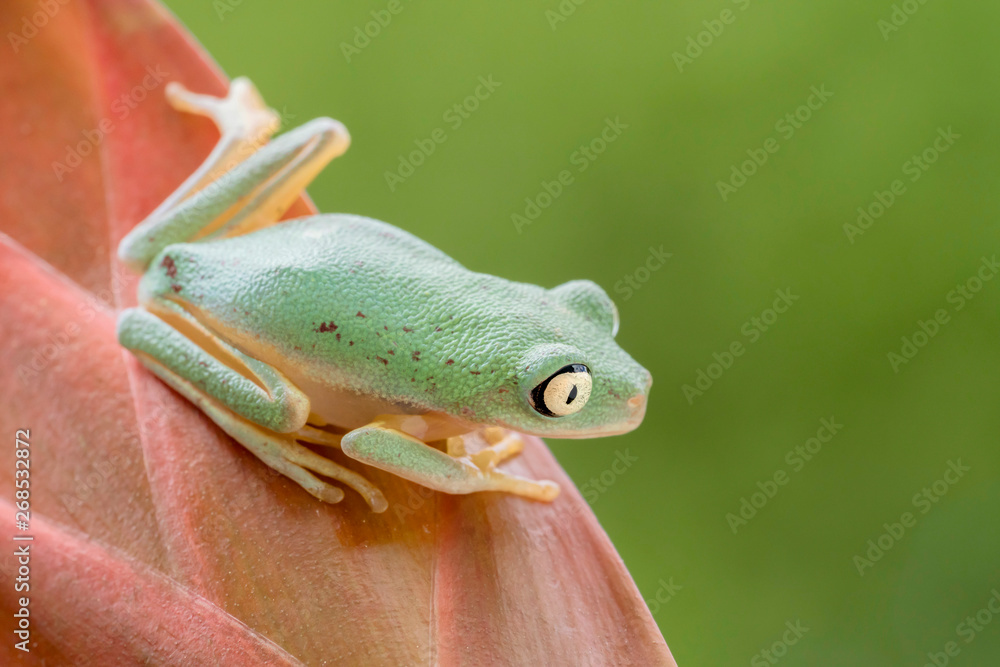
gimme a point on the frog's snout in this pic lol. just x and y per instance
(637, 404)
(647, 381)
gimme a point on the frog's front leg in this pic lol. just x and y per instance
(251, 401)
(503, 444)
(381, 445)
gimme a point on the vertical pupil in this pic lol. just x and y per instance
(572, 395)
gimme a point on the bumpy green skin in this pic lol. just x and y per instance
(369, 308)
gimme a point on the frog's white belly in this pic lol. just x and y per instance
(344, 408)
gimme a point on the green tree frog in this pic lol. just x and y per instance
(347, 332)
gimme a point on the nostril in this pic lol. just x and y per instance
(637, 401)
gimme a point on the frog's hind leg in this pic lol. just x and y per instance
(279, 451)
(318, 436)
(245, 183)
(251, 401)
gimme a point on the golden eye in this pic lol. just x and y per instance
(565, 392)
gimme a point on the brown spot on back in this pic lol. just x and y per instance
(360, 314)
(325, 327)
(168, 264)
(415, 356)
(475, 372)
(384, 361)
(449, 362)
(407, 330)
(175, 287)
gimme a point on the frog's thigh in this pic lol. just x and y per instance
(409, 458)
(271, 401)
(240, 407)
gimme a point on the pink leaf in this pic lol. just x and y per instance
(157, 539)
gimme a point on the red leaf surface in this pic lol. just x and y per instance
(159, 540)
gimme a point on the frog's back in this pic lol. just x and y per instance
(294, 272)
(351, 298)
(327, 242)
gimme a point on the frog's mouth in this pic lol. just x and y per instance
(636, 411)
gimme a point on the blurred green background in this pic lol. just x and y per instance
(827, 357)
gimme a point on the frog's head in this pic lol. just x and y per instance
(573, 380)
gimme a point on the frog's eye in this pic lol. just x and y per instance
(564, 392)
